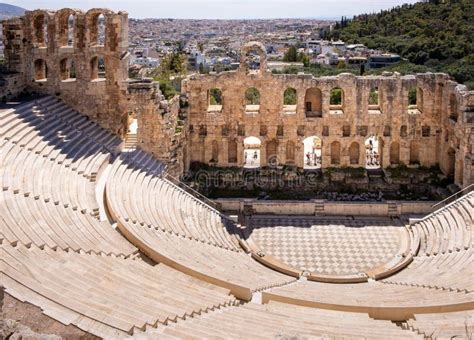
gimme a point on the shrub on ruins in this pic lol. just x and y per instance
(291, 55)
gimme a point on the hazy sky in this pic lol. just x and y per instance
(224, 9)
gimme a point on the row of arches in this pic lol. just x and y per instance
(68, 71)
(66, 26)
(313, 102)
(312, 152)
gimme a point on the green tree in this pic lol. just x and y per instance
(289, 97)
(291, 55)
(252, 96)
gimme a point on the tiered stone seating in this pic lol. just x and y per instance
(454, 325)
(48, 166)
(137, 195)
(104, 295)
(165, 234)
(447, 229)
(381, 301)
(280, 321)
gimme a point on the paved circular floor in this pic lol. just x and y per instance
(336, 246)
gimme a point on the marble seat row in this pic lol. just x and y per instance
(145, 198)
(43, 223)
(448, 229)
(379, 300)
(277, 320)
(101, 294)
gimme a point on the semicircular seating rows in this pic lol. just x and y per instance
(172, 267)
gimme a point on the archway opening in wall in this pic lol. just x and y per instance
(414, 153)
(415, 100)
(289, 101)
(395, 153)
(252, 100)
(374, 100)
(214, 152)
(252, 152)
(290, 152)
(335, 153)
(41, 70)
(70, 30)
(101, 30)
(312, 148)
(232, 152)
(336, 100)
(313, 103)
(97, 68)
(372, 153)
(451, 162)
(354, 153)
(67, 70)
(40, 26)
(252, 61)
(272, 153)
(214, 100)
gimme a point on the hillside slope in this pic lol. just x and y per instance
(438, 34)
(9, 11)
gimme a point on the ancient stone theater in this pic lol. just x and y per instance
(99, 238)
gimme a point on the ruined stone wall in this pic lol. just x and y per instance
(52, 61)
(407, 134)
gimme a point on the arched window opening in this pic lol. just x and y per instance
(97, 29)
(97, 68)
(290, 152)
(252, 100)
(67, 69)
(40, 25)
(414, 152)
(372, 153)
(451, 162)
(214, 98)
(313, 103)
(336, 101)
(70, 30)
(395, 153)
(354, 153)
(415, 100)
(272, 153)
(252, 152)
(289, 101)
(252, 61)
(41, 70)
(232, 152)
(312, 148)
(335, 153)
(453, 107)
(374, 100)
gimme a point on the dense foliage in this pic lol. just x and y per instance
(172, 67)
(437, 34)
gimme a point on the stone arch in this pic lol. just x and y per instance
(290, 152)
(312, 152)
(252, 100)
(232, 151)
(336, 100)
(272, 152)
(414, 152)
(453, 107)
(313, 103)
(259, 49)
(40, 69)
(290, 97)
(395, 153)
(354, 152)
(252, 152)
(215, 152)
(96, 20)
(373, 152)
(67, 69)
(335, 153)
(65, 24)
(97, 68)
(40, 28)
(214, 100)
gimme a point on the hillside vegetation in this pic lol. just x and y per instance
(437, 34)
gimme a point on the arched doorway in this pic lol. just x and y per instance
(252, 152)
(312, 152)
(313, 103)
(354, 153)
(372, 153)
(395, 153)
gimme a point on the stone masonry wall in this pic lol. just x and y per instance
(438, 129)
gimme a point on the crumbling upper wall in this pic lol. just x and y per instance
(62, 53)
(438, 120)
